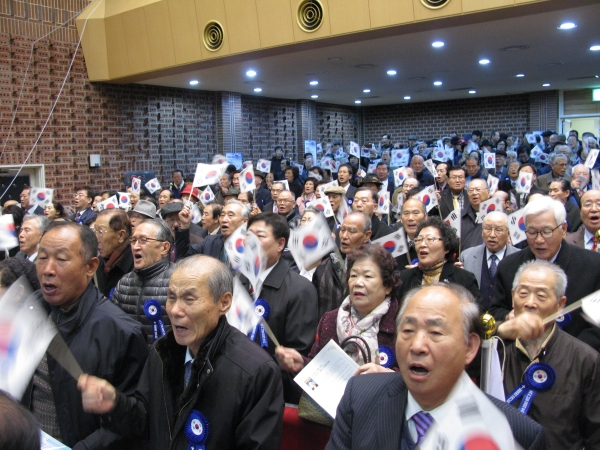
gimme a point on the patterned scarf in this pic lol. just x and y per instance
(432, 274)
(350, 323)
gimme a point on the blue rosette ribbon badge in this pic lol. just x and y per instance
(563, 320)
(262, 310)
(196, 430)
(538, 377)
(153, 311)
(386, 357)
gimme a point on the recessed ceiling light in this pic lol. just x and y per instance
(437, 83)
(546, 84)
(407, 97)
(472, 92)
(567, 26)
(314, 83)
(257, 89)
(251, 73)
(437, 44)
(357, 102)
(483, 62)
(391, 72)
(194, 82)
(520, 75)
(314, 96)
(595, 48)
(366, 91)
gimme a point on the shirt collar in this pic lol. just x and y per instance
(522, 348)
(31, 209)
(587, 236)
(215, 232)
(32, 257)
(188, 356)
(499, 254)
(263, 276)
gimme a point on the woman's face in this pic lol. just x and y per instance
(289, 175)
(309, 187)
(501, 146)
(308, 216)
(430, 253)
(50, 212)
(97, 199)
(365, 286)
(269, 179)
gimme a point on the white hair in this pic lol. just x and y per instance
(545, 204)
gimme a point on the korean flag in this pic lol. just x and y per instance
(41, 196)
(247, 183)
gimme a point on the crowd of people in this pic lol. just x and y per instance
(140, 296)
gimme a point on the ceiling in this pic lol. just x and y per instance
(528, 44)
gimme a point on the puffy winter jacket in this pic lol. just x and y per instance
(138, 286)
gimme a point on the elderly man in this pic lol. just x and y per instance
(84, 214)
(104, 340)
(365, 201)
(483, 259)
(523, 198)
(210, 218)
(580, 182)
(545, 222)
(418, 167)
(276, 189)
(400, 189)
(509, 181)
(28, 207)
(170, 214)
(561, 190)
(31, 232)
(292, 299)
(568, 410)
(143, 210)
(470, 230)
(438, 335)
(372, 182)
(413, 213)
(587, 235)
(233, 215)
(286, 208)
(113, 231)
(558, 166)
(165, 196)
(339, 206)
(151, 243)
(385, 178)
(454, 198)
(329, 276)
(262, 194)
(177, 184)
(473, 168)
(442, 176)
(203, 370)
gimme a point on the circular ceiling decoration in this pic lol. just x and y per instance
(309, 15)
(435, 4)
(213, 36)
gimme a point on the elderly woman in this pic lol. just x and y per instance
(437, 247)
(55, 211)
(369, 311)
(308, 194)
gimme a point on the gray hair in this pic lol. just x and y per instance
(163, 231)
(545, 204)
(560, 285)
(282, 185)
(554, 157)
(41, 222)
(220, 280)
(245, 208)
(470, 320)
(367, 225)
(291, 193)
(310, 209)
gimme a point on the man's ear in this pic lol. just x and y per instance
(91, 266)
(473, 343)
(224, 302)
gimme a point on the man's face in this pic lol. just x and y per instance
(513, 170)
(544, 248)
(29, 237)
(236, 180)
(108, 239)
(590, 210)
(279, 153)
(243, 197)
(363, 201)
(474, 138)
(25, 199)
(472, 167)
(495, 137)
(271, 246)
(343, 175)
(456, 181)
(231, 219)
(385, 140)
(560, 167)
(535, 294)
(413, 213)
(208, 223)
(528, 169)
(580, 177)
(523, 157)
(82, 200)
(352, 234)
(417, 165)
(501, 146)
(191, 308)
(285, 203)
(177, 178)
(275, 191)
(431, 348)
(62, 272)
(382, 172)
(494, 233)
(553, 139)
(289, 175)
(385, 156)
(422, 148)
(500, 161)
(442, 170)
(308, 162)
(555, 191)
(173, 221)
(283, 164)
(409, 184)
(225, 182)
(478, 192)
(572, 142)
(144, 255)
(335, 200)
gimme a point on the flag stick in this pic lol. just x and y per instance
(568, 309)
(270, 333)
(60, 351)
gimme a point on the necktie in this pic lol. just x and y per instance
(493, 265)
(188, 373)
(422, 421)
(455, 202)
(77, 216)
(581, 193)
(594, 243)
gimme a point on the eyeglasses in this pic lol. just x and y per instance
(276, 191)
(283, 200)
(428, 239)
(498, 230)
(457, 177)
(476, 190)
(589, 204)
(102, 232)
(143, 240)
(546, 232)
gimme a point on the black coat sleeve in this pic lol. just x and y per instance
(183, 246)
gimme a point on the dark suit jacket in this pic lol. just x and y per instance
(351, 191)
(577, 238)
(534, 190)
(446, 204)
(379, 228)
(573, 216)
(38, 211)
(583, 274)
(472, 259)
(371, 415)
(211, 246)
(88, 216)
(470, 232)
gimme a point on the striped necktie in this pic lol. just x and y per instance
(422, 421)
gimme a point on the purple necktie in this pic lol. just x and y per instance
(422, 421)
